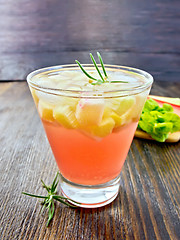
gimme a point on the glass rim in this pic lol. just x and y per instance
(90, 93)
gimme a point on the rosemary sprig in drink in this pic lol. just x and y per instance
(48, 201)
(102, 79)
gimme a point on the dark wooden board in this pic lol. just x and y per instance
(163, 68)
(132, 32)
(148, 203)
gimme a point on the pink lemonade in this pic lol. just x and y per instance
(89, 127)
(88, 161)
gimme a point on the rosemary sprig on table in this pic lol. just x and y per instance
(102, 79)
(48, 201)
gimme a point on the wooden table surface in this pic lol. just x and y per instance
(148, 203)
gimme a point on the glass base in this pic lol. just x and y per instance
(90, 196)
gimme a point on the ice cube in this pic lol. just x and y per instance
(49, 98)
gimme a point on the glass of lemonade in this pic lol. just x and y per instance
(89, 127)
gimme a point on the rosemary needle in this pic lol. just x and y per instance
(102, 64)
(48, 201)
(103, 79)
(84, 71)
(95, 64)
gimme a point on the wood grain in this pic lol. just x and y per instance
(172, 137)
(130, 32)
(148, 204)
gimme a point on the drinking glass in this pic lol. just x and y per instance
(89, 130)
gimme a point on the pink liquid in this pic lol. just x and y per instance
(87, 161)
